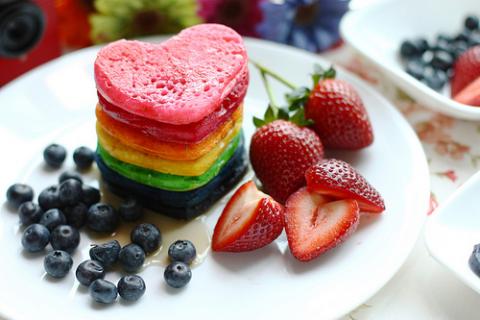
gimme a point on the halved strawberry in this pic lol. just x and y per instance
(470, 95)
(337, 179)
(250, 220)
(314, 225)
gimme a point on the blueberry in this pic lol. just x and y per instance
(442, 46)
(65, 237)
(444, 38)
(426, 58)
(69, 175)
(105, 253)
(130, 210)
(57, 263)
(474, 39)
(131, 257)
(177, 274)
(409, 50)
(83, 157)
(54, 155)
(147, 236)
(474, 260)
(76, 215)
(183, 251)
(463, 36)
(131, 287)
(103, 291)
(29, 212)
(442, 60)
(435, 79)
(89, 271)
(52, 218)
(415, 68)
(458, 48)
(90, 194)
(35, 237)
(19, 193)
(70, 192)
(421, 44)
(471, 23)
(102, 217)
(49, 198)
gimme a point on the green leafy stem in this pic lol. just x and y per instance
(296, 98)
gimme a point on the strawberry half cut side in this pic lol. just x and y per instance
(470, 95)
(337, 179)
(314, 225)
(250, 220)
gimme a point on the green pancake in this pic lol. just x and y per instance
(164, 180)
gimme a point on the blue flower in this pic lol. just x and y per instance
(307, 24)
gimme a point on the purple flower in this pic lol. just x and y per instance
(307, 24)
(240, 15)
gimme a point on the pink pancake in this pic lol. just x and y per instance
(179, 81)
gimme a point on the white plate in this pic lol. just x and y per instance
(229, 286)
(378, 30)
(454, 228)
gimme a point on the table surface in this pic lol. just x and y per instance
(423, 289)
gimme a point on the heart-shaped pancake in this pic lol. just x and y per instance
(179, 81)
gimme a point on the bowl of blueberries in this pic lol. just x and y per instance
(431, 52)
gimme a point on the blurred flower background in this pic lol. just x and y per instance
(308, 24)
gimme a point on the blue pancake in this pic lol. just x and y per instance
(181, 204)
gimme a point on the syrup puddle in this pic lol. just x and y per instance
(195, 230)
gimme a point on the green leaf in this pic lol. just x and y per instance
(258, 122)
(297, 98)
(283, 114)
(269, 115)
(316, 78)
(319, 73)
(299, 118)
(330, 73)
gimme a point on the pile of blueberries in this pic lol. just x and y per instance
(63, 209)
(432, 63)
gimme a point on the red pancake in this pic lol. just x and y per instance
(180, 81)
(186, 133)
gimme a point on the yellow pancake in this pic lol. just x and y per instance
(182, 168)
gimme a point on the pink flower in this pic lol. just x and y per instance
(240, 15)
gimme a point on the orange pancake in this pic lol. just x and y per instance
(166, 150)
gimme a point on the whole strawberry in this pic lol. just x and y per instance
(338, 113)
(280, 153)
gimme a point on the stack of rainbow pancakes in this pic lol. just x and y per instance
(169, 118)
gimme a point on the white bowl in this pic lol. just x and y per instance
(454, 228)
(378, 30)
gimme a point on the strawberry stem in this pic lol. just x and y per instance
(268, 88)
(265, 70)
